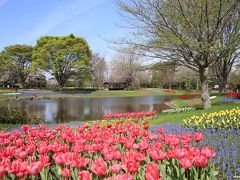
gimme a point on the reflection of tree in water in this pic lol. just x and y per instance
(76, 109)
(62, 114)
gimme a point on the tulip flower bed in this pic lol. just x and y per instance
(236, 95)
(225, 143)
(168, 91)
(225, 119)
(124, 151)
(129, 115)
(188, 96)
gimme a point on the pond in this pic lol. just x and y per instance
(83, 109)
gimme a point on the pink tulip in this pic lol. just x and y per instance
(152, 172)
(2, 171)
(84, 175)
(200, 161)
(116, 168)
(198, 136)
(99, 167)
(65, 172)
(186, 163)
(35, 168)
(208, 152)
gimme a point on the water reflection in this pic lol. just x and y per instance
(79, 109)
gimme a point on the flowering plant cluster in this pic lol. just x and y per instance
(129, 114)
(236, 95)
(168, 91)
(230, 100)
(224, 119)
(224, 142)
(178, 110)
(122, 152)
(188, 96)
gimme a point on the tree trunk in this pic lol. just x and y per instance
(222, 85)
(203, 73)
(197, 86)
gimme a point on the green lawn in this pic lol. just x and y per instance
(5, 91)
(171, 118)
(4, 127)
(140, 92)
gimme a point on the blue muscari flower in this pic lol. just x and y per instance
(225, 143)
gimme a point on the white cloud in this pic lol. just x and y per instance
(58, 16)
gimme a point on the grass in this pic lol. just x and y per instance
(163, 118)
(171, 118)
(140, 92)
(4, 127)
(5, 91)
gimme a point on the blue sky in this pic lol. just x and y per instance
(24, 21)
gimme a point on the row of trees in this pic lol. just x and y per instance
(195, 34)
(64, 58)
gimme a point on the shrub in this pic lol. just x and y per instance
(17, 116)
(13, 116)
(224, 119)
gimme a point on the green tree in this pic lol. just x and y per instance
(61, 56)
(163, 74)
(186, 31)
(17, 59)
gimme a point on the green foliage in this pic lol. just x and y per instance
(172, 118)
(62, 56)
(17, 116)
(17, 60)
(13, 116)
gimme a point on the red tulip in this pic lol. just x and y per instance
(84, 175)
(200, 161)
(198, 136)
(65, 172)
(145, 127)
(208, 152)
(160, 130)
(99, 167)
(152, 172)
(18, 143)
(26, 128)
(186, 163)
